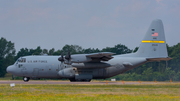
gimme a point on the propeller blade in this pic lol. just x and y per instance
(68, 56)
(61, 58)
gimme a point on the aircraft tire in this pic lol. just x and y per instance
(72, 80)
(80, 80)
(87, 80)
(26, 79)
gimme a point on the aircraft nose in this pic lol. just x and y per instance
(9, 69)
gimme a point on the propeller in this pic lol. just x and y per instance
(68, 56)
(61, 58)
(67, 59)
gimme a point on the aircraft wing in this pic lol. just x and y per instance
(102, 56)
(92, 60)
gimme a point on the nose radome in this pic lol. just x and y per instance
(9, 69)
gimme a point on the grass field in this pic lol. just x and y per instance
(163, 92)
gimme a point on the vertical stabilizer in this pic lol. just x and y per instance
(154, 44)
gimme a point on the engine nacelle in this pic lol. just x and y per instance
(91, 65)
(67, 73)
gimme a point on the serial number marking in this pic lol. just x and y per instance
(154, 44)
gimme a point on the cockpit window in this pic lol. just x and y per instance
(21, 60)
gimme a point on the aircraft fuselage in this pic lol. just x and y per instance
(50, 67)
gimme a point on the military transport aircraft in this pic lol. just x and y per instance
(84, 67)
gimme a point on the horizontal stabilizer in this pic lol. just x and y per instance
(159, 59)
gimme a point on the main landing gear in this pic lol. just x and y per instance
(80, 80)
(26, 79)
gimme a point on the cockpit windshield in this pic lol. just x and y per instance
(20, 60)
(23, 60)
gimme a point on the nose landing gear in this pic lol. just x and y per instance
(26, 79)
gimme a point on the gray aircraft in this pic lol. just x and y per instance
(84, 67)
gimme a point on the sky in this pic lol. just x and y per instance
(87, 23)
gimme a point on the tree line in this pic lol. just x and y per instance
(161, 71)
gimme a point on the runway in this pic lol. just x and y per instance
(85, 83)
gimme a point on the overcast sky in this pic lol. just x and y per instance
(87, 23)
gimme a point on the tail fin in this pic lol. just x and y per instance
(154, 44)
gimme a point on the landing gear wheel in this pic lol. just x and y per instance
(26, 79)
(87, 80)
(72, 80)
